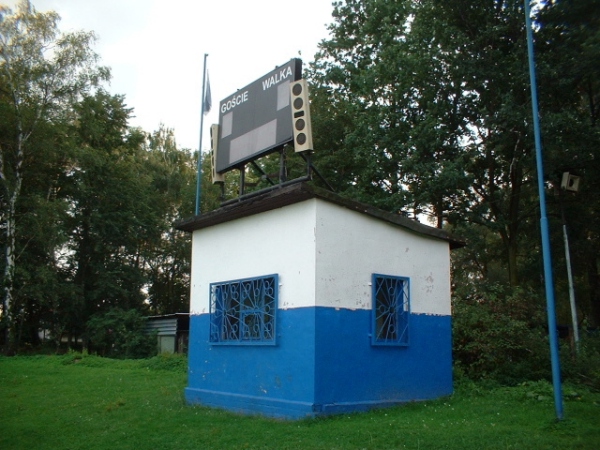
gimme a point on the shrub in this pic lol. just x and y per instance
(120, 334)
(500, 334)
(583, 367)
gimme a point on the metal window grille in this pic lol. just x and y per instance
(244, 311)
(391, 309)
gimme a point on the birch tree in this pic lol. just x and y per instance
(42, 73)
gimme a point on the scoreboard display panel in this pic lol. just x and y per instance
(257, 118)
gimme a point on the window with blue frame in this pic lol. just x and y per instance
(391, 309)
(244, 311)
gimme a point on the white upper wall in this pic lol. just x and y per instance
(352, 246)
(324, 255)
(280, 241)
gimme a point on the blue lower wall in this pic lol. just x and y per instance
(323, 363)
(351, 372)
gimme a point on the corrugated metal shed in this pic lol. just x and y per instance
(163, 326)
(172, 331)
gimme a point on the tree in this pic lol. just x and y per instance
(168, 258)
(114, 212)
(42, 72)
(568, 47)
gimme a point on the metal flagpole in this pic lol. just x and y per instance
(548, 278)
(205, 102)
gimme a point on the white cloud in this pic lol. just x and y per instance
(156, 49)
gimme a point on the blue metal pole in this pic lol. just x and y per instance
(199, 173)
(549, 281)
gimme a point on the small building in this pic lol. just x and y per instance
(304, 303)
(172, 332)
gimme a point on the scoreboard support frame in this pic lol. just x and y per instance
(283, 181)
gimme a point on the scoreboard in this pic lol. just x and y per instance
(257, 118)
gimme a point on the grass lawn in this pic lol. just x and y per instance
(75, 402)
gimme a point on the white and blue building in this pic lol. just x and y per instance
(304, 303)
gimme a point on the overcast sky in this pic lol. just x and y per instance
(156, 49)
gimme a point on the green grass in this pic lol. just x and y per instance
(86, 402)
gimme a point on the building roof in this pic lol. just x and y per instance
(169, 316)
(279, 197)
